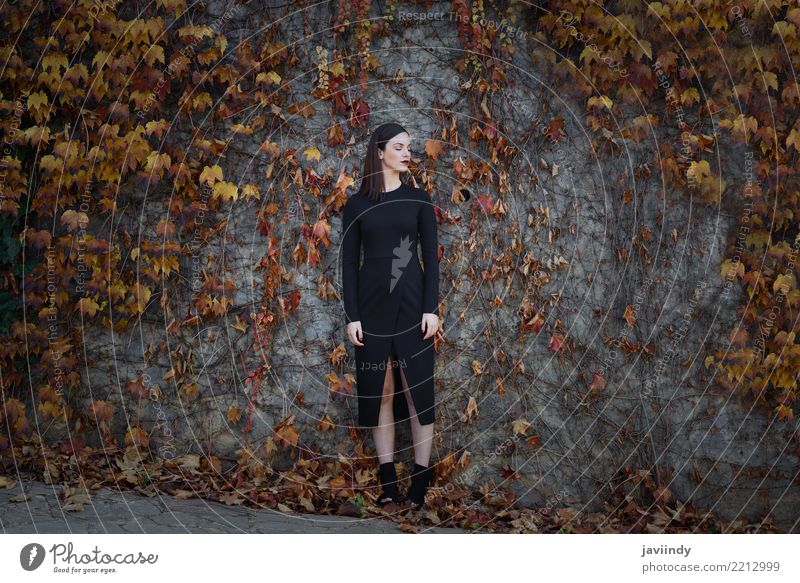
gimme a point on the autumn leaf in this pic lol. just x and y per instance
(137, 388)
(535, 323)
(434, 148)
(520, 426)
(556, 342)
(325, 423)
(322, 230)
(484, 203)
(598, 381)
(555, 129)
(732, 269)
(37, 100)
(211, 174)
(234, 414)
(39, 239)
(190, 391)
(136, 436)
(286, 433)
(87, 306)
(103, 412)
(794, 139)
(251, 192)
(312, 153)
(165, 228)
(471, 412)
(239, 325)
(662, 495)
(784, 283)
(226, 191)
(784, 412)
(630, 315)
(73, 220)
(477, 368)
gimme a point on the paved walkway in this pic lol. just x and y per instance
(109, 511)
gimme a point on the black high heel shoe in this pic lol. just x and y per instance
(420, 481)
(391, 493)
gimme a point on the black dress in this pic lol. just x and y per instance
(389, 294)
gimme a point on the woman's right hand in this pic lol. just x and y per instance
(353, 330)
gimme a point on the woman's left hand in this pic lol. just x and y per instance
(430, 325)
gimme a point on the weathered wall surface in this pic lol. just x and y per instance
(572, 245)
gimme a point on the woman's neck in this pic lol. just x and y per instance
(391, 181)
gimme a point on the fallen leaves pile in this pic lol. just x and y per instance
(345, 487)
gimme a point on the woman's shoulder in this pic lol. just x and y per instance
(353, 201)
(422, 194)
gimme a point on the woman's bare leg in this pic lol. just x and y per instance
(421, 434)
(383, 434)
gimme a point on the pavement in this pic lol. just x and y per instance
(48, 509)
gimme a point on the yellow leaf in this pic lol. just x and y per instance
(211, 174)
(226, 191)
(647, 49)
(221, 43)
(54, 61)
(732, 269)
(251, 191)
(240, 325)
(234, 414)
(87, 306)
(794, 139)
(785, 283)
(239, 128)
(689, 96)
(37, 99)
(6, 482)
(312, 153)
(771, 80)
(745, 125)
(153, 54)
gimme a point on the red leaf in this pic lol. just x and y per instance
(556, 342)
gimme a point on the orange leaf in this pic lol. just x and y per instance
(286, 433)
(630, 315)
(137, 437)
(234, 414)
(598, 381)
(433, 148)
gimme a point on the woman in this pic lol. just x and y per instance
(391, 307)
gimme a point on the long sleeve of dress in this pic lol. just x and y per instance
(430, 256)
(351, 252)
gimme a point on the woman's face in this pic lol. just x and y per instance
(397, 153)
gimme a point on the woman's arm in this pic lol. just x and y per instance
(430, 255)
(351, 252)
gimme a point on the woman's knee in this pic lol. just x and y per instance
(388, 384)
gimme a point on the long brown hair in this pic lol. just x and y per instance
(372, 184)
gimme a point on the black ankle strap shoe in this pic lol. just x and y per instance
(420, 481)
(391, 493)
